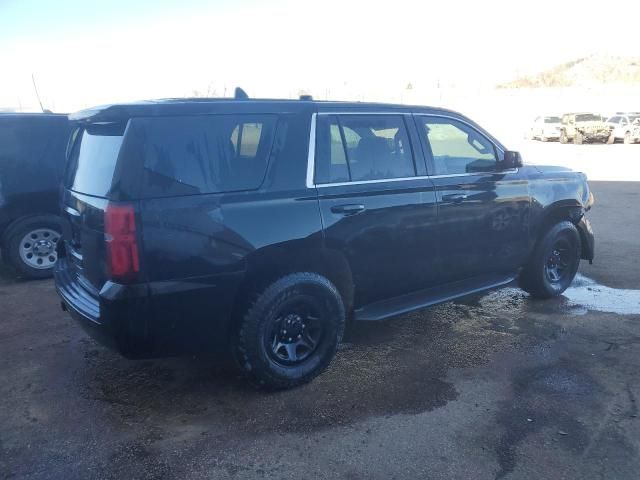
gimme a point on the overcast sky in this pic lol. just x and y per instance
(83, 53)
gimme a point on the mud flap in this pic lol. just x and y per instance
(587, 238)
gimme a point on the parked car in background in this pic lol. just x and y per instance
(260, 226)
(584, 127)
(545, 128)
(625, 127)
(32, 157)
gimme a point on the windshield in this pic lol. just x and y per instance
(551, 119)
(588, 117)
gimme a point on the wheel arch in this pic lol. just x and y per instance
(266, 265)
(562, 210)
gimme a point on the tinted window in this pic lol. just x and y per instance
(362, 147)
(203, 154)
(31, 152)
(93, 160)
(588, 117)
(457, 148)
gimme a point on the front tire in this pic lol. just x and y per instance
(627, 138)
(30, 246)
(554, 262)
(563, 137)
(611, 139)
(578, 139)
(290, 332)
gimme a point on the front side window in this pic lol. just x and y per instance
(456, 148)
(203, 154)
(362, 147)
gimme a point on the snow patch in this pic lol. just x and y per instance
(588, 293)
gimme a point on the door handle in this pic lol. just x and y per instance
(349, 209)
(454, 198)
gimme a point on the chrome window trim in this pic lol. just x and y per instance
(312, 152)
(364, 182)
(311, 157)
(420, 177)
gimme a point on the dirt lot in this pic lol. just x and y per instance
(496, 386)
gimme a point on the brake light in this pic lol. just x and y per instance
(123, 262)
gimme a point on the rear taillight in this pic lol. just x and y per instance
(123, 262)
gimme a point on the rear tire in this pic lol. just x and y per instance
(554, 262)
(578, 139)
(290, 332)
(627, 138)
(30, 245)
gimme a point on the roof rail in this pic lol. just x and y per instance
(306, 97)
(240, 94)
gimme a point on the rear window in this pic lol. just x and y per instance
(203, 154)
(93, 159)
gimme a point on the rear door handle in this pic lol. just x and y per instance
(349, 209)
(454, 198)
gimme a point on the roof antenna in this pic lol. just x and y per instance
(240, 94)
(33, 80)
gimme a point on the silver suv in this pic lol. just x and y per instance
(625, 127)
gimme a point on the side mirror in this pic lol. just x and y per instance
(511, 160)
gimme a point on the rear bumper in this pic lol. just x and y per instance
(151, 320)
(115, 317)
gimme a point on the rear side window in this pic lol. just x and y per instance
(93, 159)
(362, 147)
(203, 154)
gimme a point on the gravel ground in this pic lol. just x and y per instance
(495, 386)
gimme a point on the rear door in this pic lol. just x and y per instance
(90, 181)
(377, 205)
(482, 210)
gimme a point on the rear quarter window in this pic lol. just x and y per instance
(203, 154)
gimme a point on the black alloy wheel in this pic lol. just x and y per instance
(558, 262)
(296, 331)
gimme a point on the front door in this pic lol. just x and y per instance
(378, 208)
(482, 210)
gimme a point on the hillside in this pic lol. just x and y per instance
(584, 72)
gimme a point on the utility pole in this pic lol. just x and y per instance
(33, 79)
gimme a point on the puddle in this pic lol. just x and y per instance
(588, 293)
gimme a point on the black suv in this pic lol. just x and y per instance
(262, 225)
(32, 157)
